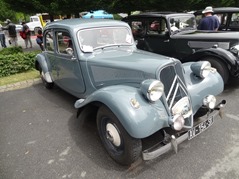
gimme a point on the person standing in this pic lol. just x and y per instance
(2, 37)
(208, 22)
(12, 33)
(39, 39)
(27, 31)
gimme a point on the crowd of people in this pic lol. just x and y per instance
(8, 33)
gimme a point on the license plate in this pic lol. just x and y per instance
(198, 129)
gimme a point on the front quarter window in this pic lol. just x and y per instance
(105, 37)
(49, 41)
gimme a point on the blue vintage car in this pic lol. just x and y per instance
(137, 94)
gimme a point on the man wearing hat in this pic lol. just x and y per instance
(208, 22)
(12, 33)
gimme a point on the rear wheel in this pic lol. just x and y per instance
(123, 148)
(220, 66)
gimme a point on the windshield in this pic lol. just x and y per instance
(182, 23)
(104, 37)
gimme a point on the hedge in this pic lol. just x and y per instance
(13, 60)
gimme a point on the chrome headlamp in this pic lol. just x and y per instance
(201, 68)
(182, 107)
(181, 110)
(210, 101)
(178, 122)
(152, 89)
(235, 50)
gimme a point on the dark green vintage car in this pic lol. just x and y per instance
(176, 35)
(134, 94)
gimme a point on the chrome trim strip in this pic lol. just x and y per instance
(175, 93)
(171, 89)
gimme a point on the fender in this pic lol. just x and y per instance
(213, 82)
(225, 55)
(41, 62)
(139, 122)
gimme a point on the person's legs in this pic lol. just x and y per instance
(1, 39)
(30, 41)
(26, 42)
(14, 41)
(4, 41)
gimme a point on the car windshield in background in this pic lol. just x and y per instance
(104, 37)
(182, 23)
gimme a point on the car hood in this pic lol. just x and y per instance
(117, 66)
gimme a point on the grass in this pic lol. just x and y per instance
(19, 77)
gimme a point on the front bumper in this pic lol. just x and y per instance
(158, 150)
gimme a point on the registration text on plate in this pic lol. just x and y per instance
(196, 130)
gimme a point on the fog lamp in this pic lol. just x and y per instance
(210, 101)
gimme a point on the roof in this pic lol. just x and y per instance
(78, 23)
(159, 14)
(220, 10)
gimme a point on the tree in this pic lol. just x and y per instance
(69, 7)
(6, 12)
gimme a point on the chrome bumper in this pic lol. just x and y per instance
(157, 150)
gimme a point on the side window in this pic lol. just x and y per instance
(49, 41)
(158, 27)
(154, 27)
(64, 42)
(138, 28)
(235, 20)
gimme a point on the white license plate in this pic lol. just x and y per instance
(198, 129)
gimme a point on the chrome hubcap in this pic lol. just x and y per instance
(112, 134)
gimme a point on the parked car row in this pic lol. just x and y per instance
(137, 94)
(176, 35)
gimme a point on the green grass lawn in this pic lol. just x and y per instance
(19, 77)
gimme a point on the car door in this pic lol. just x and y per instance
(152, 35)
(68, 74)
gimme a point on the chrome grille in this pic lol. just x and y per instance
(174, 86)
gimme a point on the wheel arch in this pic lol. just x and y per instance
(227, 57)
(139, 123)
(41, 65)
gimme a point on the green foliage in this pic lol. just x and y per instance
(69, 7)
(11, 50)
(14, 61)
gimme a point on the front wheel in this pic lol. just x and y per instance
(220, 66)
(123, 148)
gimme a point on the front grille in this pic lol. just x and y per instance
(174, 86)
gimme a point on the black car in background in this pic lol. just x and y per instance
(176, 35)
(228, 17)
